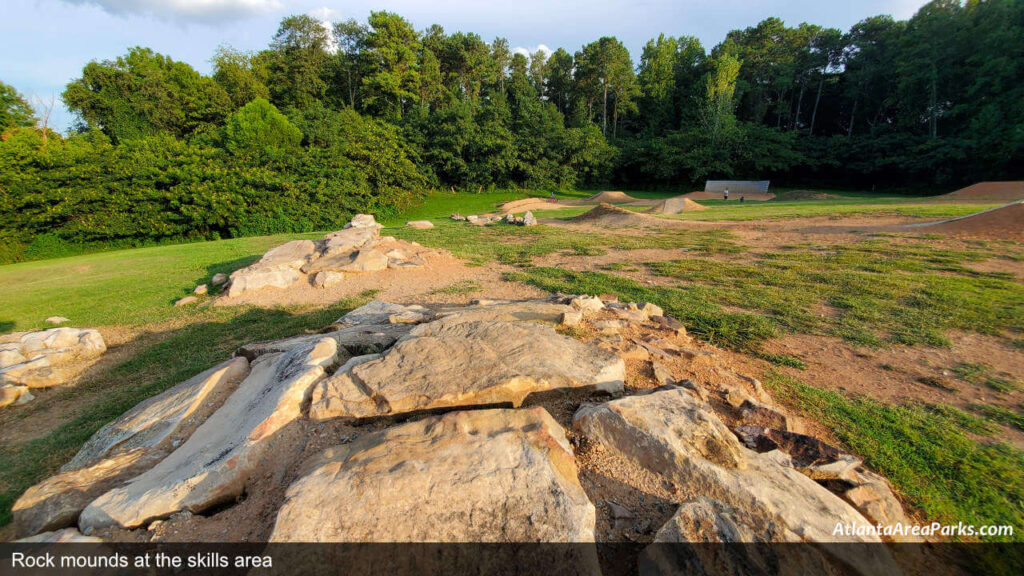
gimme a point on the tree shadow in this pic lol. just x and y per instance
(6, 326)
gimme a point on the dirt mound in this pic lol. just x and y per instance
(806, 195)
(676, 205)
(733, 196)
(613, 198)
(525, 204)
(989, 191)
(997, 223)
(606, 214)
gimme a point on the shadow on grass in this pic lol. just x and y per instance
(6, 326)
(164, 359)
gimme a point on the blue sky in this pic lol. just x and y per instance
(54, 39)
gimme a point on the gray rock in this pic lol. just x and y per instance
(57, 320)
(420, 224)
(219, 279)
(185, 301)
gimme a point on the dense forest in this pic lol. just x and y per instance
(328, 120)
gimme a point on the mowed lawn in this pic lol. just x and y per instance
(887, 291)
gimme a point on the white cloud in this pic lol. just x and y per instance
(527, 51)
(186, 10)
(327, 16)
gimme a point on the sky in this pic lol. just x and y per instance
(53, 39)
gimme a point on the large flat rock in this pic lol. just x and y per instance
(476, 476)
(160, 417)
(57, 501)
(260, 276)
(673, 434)
(214, 464)
(446, 364)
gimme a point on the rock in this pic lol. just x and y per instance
(57, 501)
(529, 219)
(587, 304)
(443, 364)
(259, 277)
(571, 318)
(290, 254)
(35, 373)
(804, 450)
(345, 241)
(363, 221)
(875, 500)
(690, 543)
(219, 279)
(414, 262)
(671, 434)
(328, 278)
(67, 535)
(609, 327)
(648, 310)
(201, 289)
(212, 466)
(696, 389)
(662, 430)
(13, 395)
(420, 224)
(351, 341)
(662, 375)
(161, 417)
(86, 342)
(504, 311)
(671, 324)
(10, 357)
(754, 413)
(362, 260)
(458, 217)
(57, 320)
(185, 301)
(375, 313)
(477, 476)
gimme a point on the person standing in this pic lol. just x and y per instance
(726, 193)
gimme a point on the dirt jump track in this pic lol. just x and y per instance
(1005, 191)
(676, 205)
(1004, 222)
(610, 216)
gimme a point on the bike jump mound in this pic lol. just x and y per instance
(613, 198)
(1006, 191)
(612, 216)
(997, 223)
(676, 205)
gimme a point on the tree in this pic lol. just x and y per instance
(391, 57)
(720, 88)
(502, 56)
(240, 74)
(657, 82)
(259, 131)
(604, 68)
(350, 38)
(15, 111)
(559, 88)
(144, 93)
(298, 62)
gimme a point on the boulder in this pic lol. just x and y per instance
(572, 318)
(351, 341)
(587, 304)
(212, 466)
(363, 221)
(57, 501)
(477, 476)
(259, 277)
(10, 356)
(345, 241)
(529, 219)
(669, 323)
(377, 312)
(362, 260)
(289, 255)
(328, 278)
(57, 320)
(67, 535)
(161, 417)
(35, 373)
(201, 289)
(86, 342)
(678, 437)
(219, 279)
(420, 224)
(185, 301)
(476, 363)
(754, 413)
(14, 395)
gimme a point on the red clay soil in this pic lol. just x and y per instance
(1005, 191)
(1003, 223)
(610, 216)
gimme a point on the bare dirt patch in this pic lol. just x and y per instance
(988, 191)
(1001, 223)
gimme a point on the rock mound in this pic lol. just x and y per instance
(997, 223)
(1004, 191)
(43, 359)
(676, 205)
(357, 249)
(325, 439)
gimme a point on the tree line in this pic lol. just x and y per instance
(368, 115)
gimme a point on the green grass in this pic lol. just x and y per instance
(978, 373)
(1001, 415)
(442, 204)
(177, 356)
(927, 452)
(461, 287)
(834, 208)
(123, 287)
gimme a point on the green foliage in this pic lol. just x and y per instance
(15, 111)
(257, 130)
